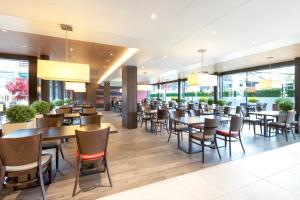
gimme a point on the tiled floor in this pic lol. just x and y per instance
(267, 176)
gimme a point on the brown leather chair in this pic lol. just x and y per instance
(89, 110)
(233, 134)
(208, 135)
(51, 144)
(90, 119)
(22, 157)
(161, 120)
(92, 146)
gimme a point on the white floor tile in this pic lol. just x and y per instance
(133, 194)
(228, 177)
(287, 181)
(201, 187)
(263, 190)
(295, 170)
(168, 189)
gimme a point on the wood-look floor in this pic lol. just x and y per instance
(136, 158)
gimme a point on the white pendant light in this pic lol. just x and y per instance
(202, 78)
(143, 86)
(270, 82)
(63, 71)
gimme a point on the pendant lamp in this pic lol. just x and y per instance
(270, 82)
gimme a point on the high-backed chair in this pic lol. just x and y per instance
(90, 119)
(161, 120)
(233, 134)
(92, 147)
(22, 156)
(251, 120)
(145, 117)
(48, 122)
(208, 135)
(176, 128)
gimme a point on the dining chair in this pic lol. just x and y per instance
(176, 128)
(233, 134)
(161, 120)
(47, 122)
(251, 120)
(208, 135)
(90, 119)
(145, 117)
(284, 123)
(20, 158)
(227, 111)
(92, 147)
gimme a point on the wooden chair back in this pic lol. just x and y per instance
(90, 119)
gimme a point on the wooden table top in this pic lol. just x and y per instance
(60, 132)
(266, 113)
(76, 115)
(199, 120)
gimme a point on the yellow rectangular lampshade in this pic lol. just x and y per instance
(202, 79)
(144, 87)
(63, 71)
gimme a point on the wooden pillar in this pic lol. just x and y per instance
(297, 85)
(61, 90)
(106, 95)
(33, 94)
(91, 93)
(129, 97)
(45, 84)
(216, 94)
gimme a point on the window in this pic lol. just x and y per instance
(14, 82)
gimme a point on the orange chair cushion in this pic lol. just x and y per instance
(199, 126)
(90, 156)
(226, 133)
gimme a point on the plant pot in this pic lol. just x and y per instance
(11, 127)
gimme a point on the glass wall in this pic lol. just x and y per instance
(242, 88)
(14, 82)
(197, 93)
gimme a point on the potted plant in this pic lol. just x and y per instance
(285, 105)
(253, 100)
(58, 102)
(68, 101)
(210, 101)
(41, 107)
(221, 102)
(19, 117)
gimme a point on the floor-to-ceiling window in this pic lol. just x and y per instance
(14, 82)
(244, 87)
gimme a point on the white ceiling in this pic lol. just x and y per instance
(246, 30)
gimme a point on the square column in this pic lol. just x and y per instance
(129, 97)
(107, 96)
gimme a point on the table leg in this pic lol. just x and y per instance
(190, 139)
(265, 126)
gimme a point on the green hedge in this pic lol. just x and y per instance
(153, 95)
(290, 92)
(276, 92)
(171, 94)
(229, 93)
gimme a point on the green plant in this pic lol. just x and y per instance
(41, 107)
(52, 106)
(290, 92)
(210, 101)
(68, 101)
(286, 104)
(203, 99)
(20, 113)
(253, 99)
(277, 101)
(58, 102)
(221, 102)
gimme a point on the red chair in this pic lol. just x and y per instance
(92, 146)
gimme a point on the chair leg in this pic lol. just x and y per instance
(216, 146)
(181, 135)
(254, 128)
(57, 156)
(76, 176)
(62, 153)
(285, 132)
(202, 144)
(108, 174)
(170, 133)
(240, 139)
(225, 142)
(50, 173)
(42, 183)
(142, 123)
(260, 124)
(230, 146)
(293, 133)
(2, 177)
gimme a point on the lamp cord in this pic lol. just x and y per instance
(66, 46)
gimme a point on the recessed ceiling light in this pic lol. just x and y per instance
(4, 30)
(24, 46)
(213, 32)
(153, 16)
(107, 60)
(111, 54)
(71, 49)
(73, 56)
(165, 56)
(253, 42)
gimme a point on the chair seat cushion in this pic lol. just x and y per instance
(199, 126)
(199, 136)
(181, 127)
(51, 143)
(90, 156)
(44, 160)
(227, 133)
(159, 120)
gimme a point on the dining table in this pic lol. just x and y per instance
(190, 122)
(60, 132)
(265, 114)
(73, 116)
